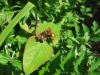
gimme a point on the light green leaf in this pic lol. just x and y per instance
(54, 28)
(3, 59)
(75, 40)
(21, 40)
(35, 54)
(24, 26)
(5, 16)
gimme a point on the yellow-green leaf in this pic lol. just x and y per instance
(35, 55)
(54, 28)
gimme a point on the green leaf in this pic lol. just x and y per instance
(95, 38)
(58, 72)
(85, 28)
(24, 26)
(65, 59)
(75, 40)
(54, 28)
(44, 69)
(5, 16)
(14, 21)
(21, 40)
(17, 64)
(94, 73)
(95, 26)
(95, 65)
(97, 32)
(77, 30)
(82, 1)
(86, 37)
(86, 11)
(4, 59)
(81, 57)
(72, 2)
(35, 54)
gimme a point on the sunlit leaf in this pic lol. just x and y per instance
(54, 28)
(35, 55)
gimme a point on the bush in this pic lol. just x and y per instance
(49, 37)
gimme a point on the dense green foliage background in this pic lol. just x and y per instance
(78, 50)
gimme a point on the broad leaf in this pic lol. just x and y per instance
(54, 28)
(35, 55)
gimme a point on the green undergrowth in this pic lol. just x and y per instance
(49, 37)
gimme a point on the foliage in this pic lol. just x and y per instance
(49, 37)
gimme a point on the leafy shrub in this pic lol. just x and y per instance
(49, 37)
